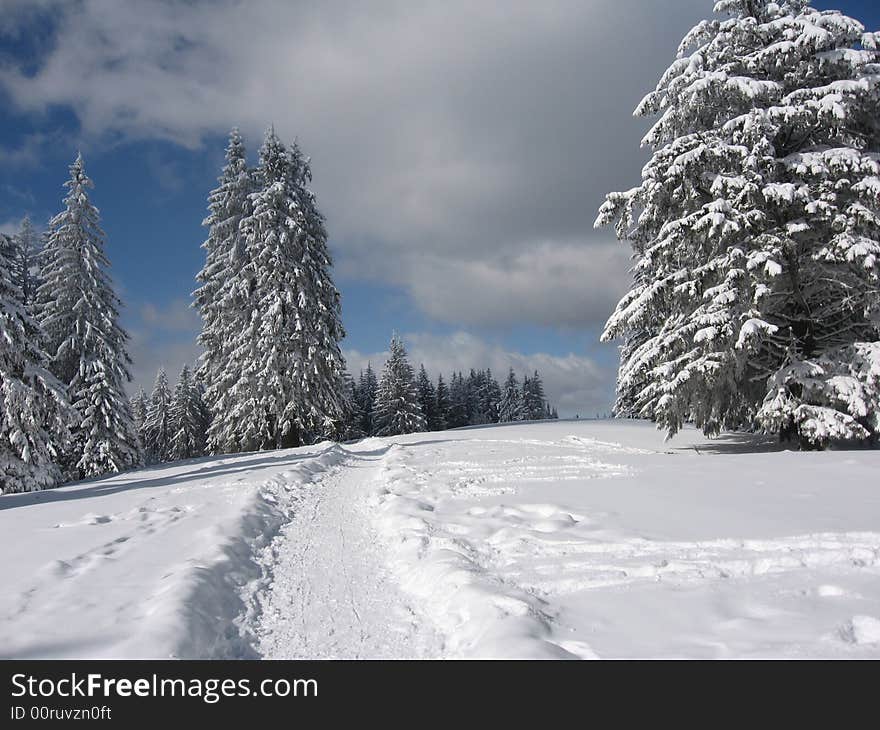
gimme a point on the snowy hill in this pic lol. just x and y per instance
(553, 539)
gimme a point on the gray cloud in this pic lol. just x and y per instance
(476, 139)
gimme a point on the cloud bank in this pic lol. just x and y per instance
(460, 149)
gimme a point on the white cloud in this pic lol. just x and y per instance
(574, 383)
(10, 227)
(175, 316)
(444, 136)
(162, 335)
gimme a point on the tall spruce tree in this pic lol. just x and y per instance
(186, 418)
(157, 425)
(79, 314)
(756, 230)
(397, 400)
(222, 297)
(290, 381)
(35, 414)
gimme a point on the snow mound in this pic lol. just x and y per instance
(861, 630)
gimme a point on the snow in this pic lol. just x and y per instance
(548, 539)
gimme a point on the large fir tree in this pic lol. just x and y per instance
(222, 298)
(287, 357)
(756, 230)
(79, 314)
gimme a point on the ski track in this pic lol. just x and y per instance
(327, 591)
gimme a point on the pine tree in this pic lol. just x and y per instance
(368, 386)
(441, 406)
(397, 408)
(757, 243)
(79, 312)
(350, 425)
(291, 377)
(538, 404)
(490, 397)
(186, 419)
(25, 262)
(157, 426)
(533, 404)
(138, 405)
(223, 295)
(457, 415)
(510, 407)
(427, 398)
(34, 411)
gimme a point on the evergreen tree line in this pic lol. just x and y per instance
(755, 231)
(402, 401)
(172, 425)
(64, 414)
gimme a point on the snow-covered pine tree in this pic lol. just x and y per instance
(427, 398)
(157, 426)
(25, 263)
(368, 386)
(79, 314)
(490, 397)
(186, 419)
(756, 230)
(320, 327)
(442, 406)
(35, 415)
(397, 407)
(349, 427)
(223, 295)
(510, 407)
(457, 415)
(533, 398)
(290, 382)
(138, 405)
(472, 387)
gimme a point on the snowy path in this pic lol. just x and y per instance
(331, 595)
(565, 539)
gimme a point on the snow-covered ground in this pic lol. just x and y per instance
(554, 539)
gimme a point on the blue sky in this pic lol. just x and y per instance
(460, 167)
